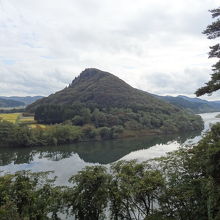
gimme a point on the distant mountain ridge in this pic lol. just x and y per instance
(5, 103)
(195, 105)
(26, 100)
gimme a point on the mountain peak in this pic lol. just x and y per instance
(93, 72)
(90, 74)
(103, 89)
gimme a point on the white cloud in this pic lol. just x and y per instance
(45, 44)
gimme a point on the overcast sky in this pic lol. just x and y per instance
(154, 45)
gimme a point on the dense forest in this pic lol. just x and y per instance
(184, 185)
(78, 123)
(18, 135)
(130, 118)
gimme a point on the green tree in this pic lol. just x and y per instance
(207, 155)
(105, 133)
(7, 134)
(27, 195)
(98, 118)
(183, 196)
(78, 120)
(88, 197)
(212, 32)
(134, 190)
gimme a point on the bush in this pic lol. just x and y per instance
(105, 133)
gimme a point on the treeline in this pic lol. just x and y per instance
(133, 117)
(11, 110)
(70, 124)
(15, 135)
(185, 185)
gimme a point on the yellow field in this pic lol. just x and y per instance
(20, 119)
(26, 120)
(37, 126)
(11, 117)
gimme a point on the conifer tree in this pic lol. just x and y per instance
(213, 31)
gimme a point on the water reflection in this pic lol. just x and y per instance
(104, 152)
(69, 159)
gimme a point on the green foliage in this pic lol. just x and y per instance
(89, 132)
(21, 136)
(27, 195)
(105, 133)
(116, 131)
(183, 195)
(15, 135)
(62, 134)
(133, 190)
(49, 114)
(207, 155)
(11, 134)
(110, 117)
(212, 32)
(184, 185)
(88, 198)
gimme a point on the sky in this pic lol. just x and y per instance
(153, 45)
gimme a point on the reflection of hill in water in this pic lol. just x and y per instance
(94, 152)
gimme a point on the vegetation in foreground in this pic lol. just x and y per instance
(181, 186)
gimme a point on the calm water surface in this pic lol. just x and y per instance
(68, 160)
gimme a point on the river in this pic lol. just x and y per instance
(69, 159)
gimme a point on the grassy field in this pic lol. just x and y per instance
(20, 119)
(26, 120)
(37, 126)
(11, 117)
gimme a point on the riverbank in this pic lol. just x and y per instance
(14, 134)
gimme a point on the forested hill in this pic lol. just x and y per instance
(108, 101)
(195, 105)
(5, 103)
(94, 86)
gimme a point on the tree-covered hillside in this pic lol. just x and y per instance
(104, 100)
(95, 87)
